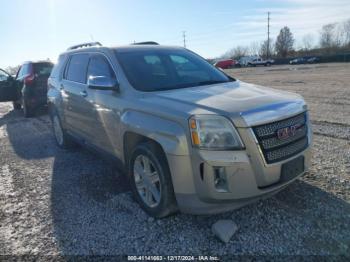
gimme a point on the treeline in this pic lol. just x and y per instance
(12, 70)
(333, 38)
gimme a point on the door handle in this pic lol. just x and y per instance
(83, 93)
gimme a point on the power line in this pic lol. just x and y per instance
(268, 34)
(184, 37)
(208, 35)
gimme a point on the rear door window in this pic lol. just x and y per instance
(24, 71)
(20, 72)
(77, 68)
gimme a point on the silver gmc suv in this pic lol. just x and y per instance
(190, 137)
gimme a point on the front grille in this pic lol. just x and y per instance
(276, 149)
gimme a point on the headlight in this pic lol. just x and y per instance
(214, 132)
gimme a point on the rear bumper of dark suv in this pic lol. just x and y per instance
(34, 100)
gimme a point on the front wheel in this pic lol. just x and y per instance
(151, 180)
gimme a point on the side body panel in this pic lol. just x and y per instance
(169, 134)
(76, 108)
(105, 108)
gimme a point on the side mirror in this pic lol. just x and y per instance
(103, 83)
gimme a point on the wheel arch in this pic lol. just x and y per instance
(131, 140)
(138, 127)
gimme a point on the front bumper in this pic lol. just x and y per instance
(248, 177)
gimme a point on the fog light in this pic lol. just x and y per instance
(220, 181)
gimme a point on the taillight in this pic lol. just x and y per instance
(29, 79)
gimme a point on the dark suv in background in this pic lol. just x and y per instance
(28, 90)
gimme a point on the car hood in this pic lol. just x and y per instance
(246, 104)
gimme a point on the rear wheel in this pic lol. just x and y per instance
(61, 137)
(151, 180)
(27, 110)
(16, 105)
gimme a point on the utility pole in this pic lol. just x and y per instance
(268, 35)
(184, 37)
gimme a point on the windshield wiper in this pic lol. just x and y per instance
(210, 82)
(185, 85)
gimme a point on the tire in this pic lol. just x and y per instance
(156, 205)
(27, 111)
(63, 140)
(16, 105)
(268, 64)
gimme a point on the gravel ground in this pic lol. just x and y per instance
(56, 202)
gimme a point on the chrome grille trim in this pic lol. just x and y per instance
(274, 142)
(270, 129)
(286, 152)
(274, 149)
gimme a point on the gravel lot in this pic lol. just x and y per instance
(74, 203)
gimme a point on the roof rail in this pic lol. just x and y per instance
(84, 45)
(146, 43)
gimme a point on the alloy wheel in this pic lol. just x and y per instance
(147, 181)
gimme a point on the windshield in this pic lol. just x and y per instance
(156, 70)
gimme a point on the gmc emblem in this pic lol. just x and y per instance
(287, 132)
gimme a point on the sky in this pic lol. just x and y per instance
(41, 29)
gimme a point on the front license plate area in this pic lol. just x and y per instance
(292, 168)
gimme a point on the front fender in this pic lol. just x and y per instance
(169, 134)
